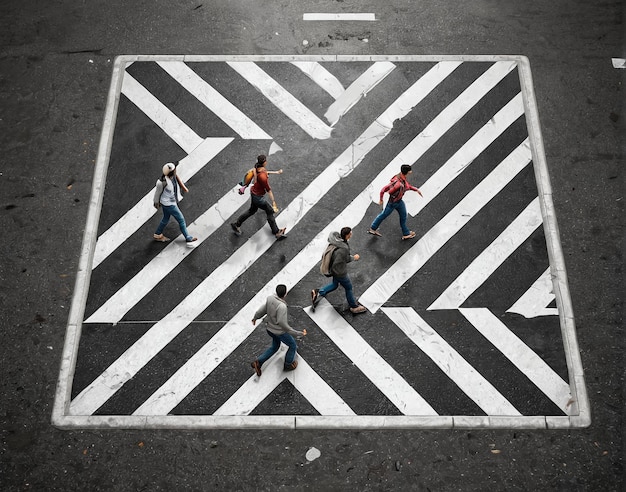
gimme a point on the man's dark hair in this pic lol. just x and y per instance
(281, 290)
(260, 160)
(405, 168)
(344, 232)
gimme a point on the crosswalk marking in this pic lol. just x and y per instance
(535, 368)
(358, 90)
(171, 124)
(451, 115)
(138, 214)
(408, 265)
(486, 263)
(213, 100)
(118, 305)
(317, 391)
(282, 99)
(463, 157)
(473, 384)
(377, 370)
(535, 300)
(222, 352)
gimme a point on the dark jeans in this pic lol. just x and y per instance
(288, 340)
(391, 206)
(173, 211)
(259, 202)
(345, 283)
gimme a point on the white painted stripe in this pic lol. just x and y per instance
(171, 124)
(482, 139)
(117, 306)
(408, 265)
(487, 262)
(366, 359)
(213, 100)
(282, 99)
(132, 220)
(304, 379)
(619, 62)
(339, 17)
(450, 116)
(534, 301)
(466, 377)
(238, 329)
(358, 90)
(322, 77)
(527, 361)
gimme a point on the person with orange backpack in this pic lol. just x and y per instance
(258, 201)
(396, 188)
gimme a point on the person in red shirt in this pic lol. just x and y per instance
(396, 189)
(258, 201)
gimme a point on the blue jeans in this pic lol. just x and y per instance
(345, 283)
(288, 340)
(259, 202)
(401, 208)
(173, 211)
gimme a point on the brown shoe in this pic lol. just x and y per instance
(410, 235)
(257, 367)
(357, 310)
(292, 366)
(160, 237)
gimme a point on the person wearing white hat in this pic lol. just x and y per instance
(166, 197)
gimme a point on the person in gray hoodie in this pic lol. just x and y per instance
(277, 325)
(339, 269)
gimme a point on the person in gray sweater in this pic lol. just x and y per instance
(277, 326)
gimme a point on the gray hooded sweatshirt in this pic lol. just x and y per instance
(276, 310)
(341, 256)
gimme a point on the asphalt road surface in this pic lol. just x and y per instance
(57, 67)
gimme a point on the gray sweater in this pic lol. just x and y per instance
(276, 310)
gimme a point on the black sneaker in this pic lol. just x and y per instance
(315, 298)
(236, 228)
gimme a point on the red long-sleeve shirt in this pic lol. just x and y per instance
(262, 184)
(397, 183)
